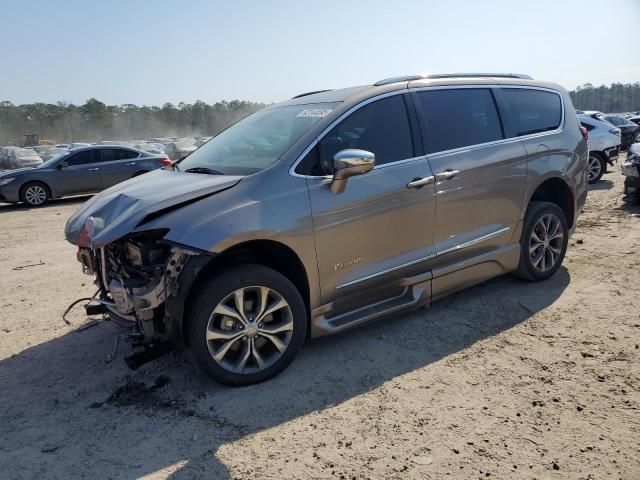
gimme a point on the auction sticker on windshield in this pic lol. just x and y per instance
(314, 113)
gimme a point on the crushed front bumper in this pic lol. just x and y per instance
(140, 283)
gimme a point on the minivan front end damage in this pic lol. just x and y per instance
(139, 273)
(139, 279)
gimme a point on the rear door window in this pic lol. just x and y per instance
(458, 118)
(114, 154)
(532, 111)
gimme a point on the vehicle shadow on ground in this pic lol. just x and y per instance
(629, 205)
(603, 184)
(12, 207)
(63, 410)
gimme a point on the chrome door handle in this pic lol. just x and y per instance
(93, 169)
(447, 175)
(421, 182)
(129, 164)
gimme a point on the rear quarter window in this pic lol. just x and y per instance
(532, 111)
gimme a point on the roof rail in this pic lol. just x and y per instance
(406, 78)
(310, 93)
(409, 78)
(465, 75)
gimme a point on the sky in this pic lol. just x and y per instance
(155, 51)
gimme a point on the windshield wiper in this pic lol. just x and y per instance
(206, 170)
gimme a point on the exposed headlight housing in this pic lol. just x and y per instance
(91, 226)
(5, 181)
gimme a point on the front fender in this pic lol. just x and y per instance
(261, 207)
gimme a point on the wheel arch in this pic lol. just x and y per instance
(268, 253)
(556, 190)
(30, 182)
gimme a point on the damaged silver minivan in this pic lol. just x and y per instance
(332, 209)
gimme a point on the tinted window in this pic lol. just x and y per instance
(381, 127)
(533, 111)
(113, 154)
(84, 157)
(617, 121)
(459, 118)
(311, 165)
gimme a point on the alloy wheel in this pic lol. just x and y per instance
(595, 167)
(249, 329)
(35, 195)
(545, 244)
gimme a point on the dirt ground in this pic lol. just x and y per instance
(506, 380)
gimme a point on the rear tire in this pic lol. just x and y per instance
(597, 166)
(35, 194)
(543, 242)
(245, 338)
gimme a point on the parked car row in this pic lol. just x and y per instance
(608, 134)
(81, 170)
(12, 157)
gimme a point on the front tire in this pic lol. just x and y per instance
(35, 194)
(543, 243)
(246, 325)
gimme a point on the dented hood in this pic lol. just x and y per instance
(119, 210)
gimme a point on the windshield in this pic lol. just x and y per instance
(257, 141)
(53, 160)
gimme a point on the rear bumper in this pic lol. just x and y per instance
(629, 170)
(612, 154)
(632, 186)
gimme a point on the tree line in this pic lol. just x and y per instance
(65, 122)
(93, 121)
(617, 97)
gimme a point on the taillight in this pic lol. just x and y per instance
(585, 133)
(165, 160)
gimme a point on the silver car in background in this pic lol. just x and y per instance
(180, 148)
(604, 144)
(52, 152)
(20, 158)
(333, 209)
(157, 148)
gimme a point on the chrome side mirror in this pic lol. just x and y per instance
(348, 163)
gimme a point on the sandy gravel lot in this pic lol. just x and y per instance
(506, 380)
